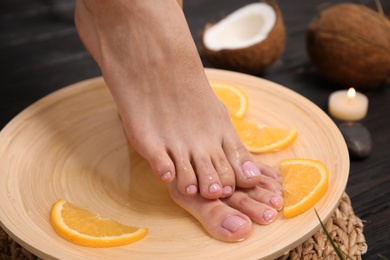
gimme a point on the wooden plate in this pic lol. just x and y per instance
(70, 145)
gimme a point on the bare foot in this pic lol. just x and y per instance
(169, 112)
(230, 219)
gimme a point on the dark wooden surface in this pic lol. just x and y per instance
(40, 52)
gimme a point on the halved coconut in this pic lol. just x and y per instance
(247, 40)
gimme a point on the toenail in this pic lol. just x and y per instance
(276, 202)
(268, 215)
(227, 190)
(250, 170)
(191, 189)
(215, 187)
(166, 176)
(233, 223)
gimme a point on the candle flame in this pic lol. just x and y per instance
(351, 93)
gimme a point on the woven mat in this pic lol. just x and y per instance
(345, 228)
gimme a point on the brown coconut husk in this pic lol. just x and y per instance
(350, 44)
(254, 59)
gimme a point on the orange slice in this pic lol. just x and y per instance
(85, 228)
(260, 139)
(305, 182)
(232, 97)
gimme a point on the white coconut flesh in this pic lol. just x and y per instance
(243, 28)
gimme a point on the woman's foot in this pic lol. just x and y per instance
(230, 219)
(169, 112)
(171, 116)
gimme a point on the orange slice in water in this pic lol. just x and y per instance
(305, 182)
(85, 228)
(259, 139)
(232, 97)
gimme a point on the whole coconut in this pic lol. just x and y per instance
(350, 44)
(251, 59)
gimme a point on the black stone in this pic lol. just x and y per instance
(358, 139)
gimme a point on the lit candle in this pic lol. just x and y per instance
(348, 105)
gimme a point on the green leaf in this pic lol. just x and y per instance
(338, 251)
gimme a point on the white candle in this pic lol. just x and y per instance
(348, 105)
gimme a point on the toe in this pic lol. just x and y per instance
(270, 179)
(161, 164)
(269, 172)
(219, 220)
(246, 172)
(264, 196)
(210, 186)
(225, 173)
(186, 179)
(261, 213)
